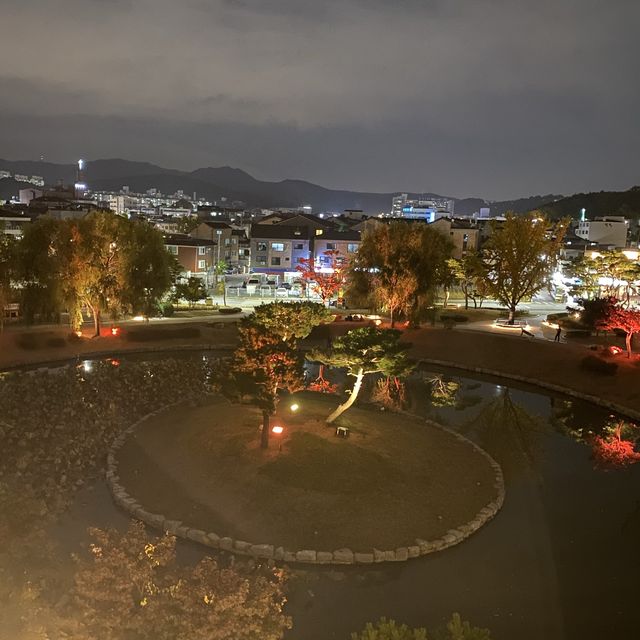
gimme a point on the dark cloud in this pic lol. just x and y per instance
(476, 97)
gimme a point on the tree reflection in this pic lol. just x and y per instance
(508, 431)
(613, 444)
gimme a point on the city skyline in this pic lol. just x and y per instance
(493, 100)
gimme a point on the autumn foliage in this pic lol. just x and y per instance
(326, 284)
(131, 587)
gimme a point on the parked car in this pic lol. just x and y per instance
(282, 292)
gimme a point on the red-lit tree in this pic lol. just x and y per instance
(326, 284)
(616, 447)
(627, 320)
(262, 364)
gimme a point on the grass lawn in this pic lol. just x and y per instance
(393, 480)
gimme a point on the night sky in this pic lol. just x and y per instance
(462, 97)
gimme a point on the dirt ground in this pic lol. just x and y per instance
(393, 480)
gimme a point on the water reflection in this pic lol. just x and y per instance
(559, 562)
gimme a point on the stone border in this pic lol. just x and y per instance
(94, 355)
(303, 556)
(618, 408)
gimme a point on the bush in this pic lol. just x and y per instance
(147, 334)
(229, 310)
(166, 309)
(598, 365)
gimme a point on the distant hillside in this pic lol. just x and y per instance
(602, 203)
(215, 183)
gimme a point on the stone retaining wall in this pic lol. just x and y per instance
(302, 556)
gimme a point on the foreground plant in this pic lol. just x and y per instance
(455, 629)
(130, 587)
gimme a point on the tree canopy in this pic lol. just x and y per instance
(267, 358)
(398, 264)
(616, 316)
(102, 262)
(7, 271)
(365, 351)
(291, 320)
(326, 282)
(521, 255)
(130, 587)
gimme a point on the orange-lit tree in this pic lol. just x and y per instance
(131, 586)
(326, 284)
(267, 358)
(627, 320)
(262, 364)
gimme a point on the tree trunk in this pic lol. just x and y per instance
(264, 435)
(96, 322)
(446, 298)
(512, 315)
(393, 320)
(224, 292)
(627, 340)
(352, 398)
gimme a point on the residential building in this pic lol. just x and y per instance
(25, 196)
(221, 234)
(346, 243)
(464, 236)
(606, 230)
(13, 222)
(197, 256)
(278, 248)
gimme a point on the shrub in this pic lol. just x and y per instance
(146, 334)
(166, 309)
(598, 365)
(229, 310)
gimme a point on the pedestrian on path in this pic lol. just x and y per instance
(558, 332)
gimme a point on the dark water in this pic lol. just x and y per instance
(560, 561)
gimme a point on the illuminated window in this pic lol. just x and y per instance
(352, 248)
(172, 249)
(202, 251)
(277, 246)
(202, 265)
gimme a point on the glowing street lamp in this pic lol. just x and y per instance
(294, 407)
(277, 429)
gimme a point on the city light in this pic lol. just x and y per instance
(295, 406)
(277, 430)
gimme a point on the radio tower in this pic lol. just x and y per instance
(80, 185)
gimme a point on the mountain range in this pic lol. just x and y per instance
(216, 183)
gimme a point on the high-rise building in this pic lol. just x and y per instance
(429, 209)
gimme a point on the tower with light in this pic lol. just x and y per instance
(80, 186)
